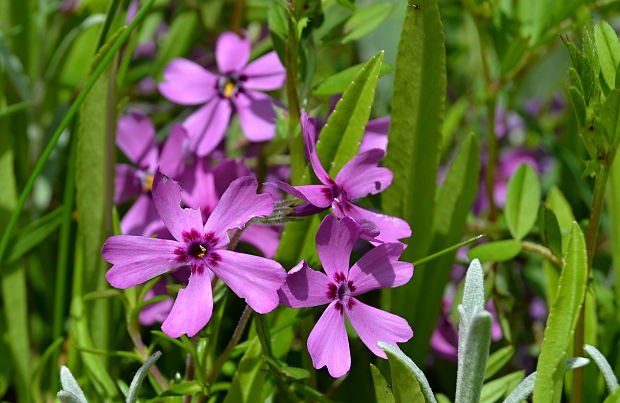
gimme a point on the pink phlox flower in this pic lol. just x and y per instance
(233, 89)
(359, 177)
(339, 286)
(201, 249)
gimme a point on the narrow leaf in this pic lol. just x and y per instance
(364, 21)
(522, 201)
(497, 360)
(69, 384)
(604, 367)
(498, 251)
(608, 49)
(409, 384)
(496, 389)
(563, 315)
(136, 382)
(611, 116)
(383, 393)
(338, 83)
(473, 356)
(33, 234)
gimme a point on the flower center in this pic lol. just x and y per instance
(228, 85)
(341, 289)
(198, 250)
(147, 182)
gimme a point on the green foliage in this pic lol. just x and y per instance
(249, 378)
(408, 382)
(522, 201)
(611, 116)
(498, 251)
(608, 49)
(563, 315)
(383, 393)
(497, 360)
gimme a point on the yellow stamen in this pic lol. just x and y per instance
(202, 253)
(229, 87)
(148, 183)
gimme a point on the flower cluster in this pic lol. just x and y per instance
(193, 205)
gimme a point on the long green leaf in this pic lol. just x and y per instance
(383, 393)
(248, 380)
(522, 201)
(409, 384)
(33, 234)
(562, 320)
(417, 119)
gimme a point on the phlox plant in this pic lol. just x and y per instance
(309, 201)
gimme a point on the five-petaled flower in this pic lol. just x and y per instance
(359, 177)
(187, 83)
(328, 344)
(201, 249)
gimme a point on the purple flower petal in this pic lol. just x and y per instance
(380, 268)
(226, 172)
(135, 136)
(265, 73)
(238, 205)
(334, 243)
(231, 52)
(376, 135)
(172, 158)
(328, 344)
(206, 126)
(304, 287)
(308, 130)
(361, 176)
(251, 277)
(198, 187)
(256, 115)
(167, 198)
(318, 195)
(142, 218)
(126, 183)
(187, 83)
(264, 238)
(137, 259)
(192, 308)
(391, 228)
(374, 325)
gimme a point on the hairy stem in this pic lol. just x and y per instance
(542, 251)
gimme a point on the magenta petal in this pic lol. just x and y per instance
(238, 205)
(374, 325)
(226, 172)
(308, 130)
(380, 268)
(318, 195)
(135, 136)
(172, 158)
(251, 277)
(334, 243)
(376, 135)
(126, 183)
(137, 259)
(391, 229)
(328, 344)
(198, 187)
(264, 238)
(361, 176)
(156, 312)
(167, 198)
(142, 218)
(265, 73)
(206, 126)
(187, 83)
(256, 115)
(231, 52)
(304, 287)
(192, 308)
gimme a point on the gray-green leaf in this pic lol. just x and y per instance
(409, 384)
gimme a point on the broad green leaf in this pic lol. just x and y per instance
(522, 201)
(340, 139)
(136, 382)
(473, 354)
(613, 398)
(178, 41)
(34, 233)
(417, 115)
(383, 393)
(184, 388)
(604, 367)
(497, 360)
(248, 380)
(420, 301)
(608, 49)
(498, 251)
(364, 21)
(338, 83)
(550, 230)
(563, 315)
(496, 389)
(409, 384)
(611, 116)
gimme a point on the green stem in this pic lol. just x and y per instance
(542, 251)
(295, 143)
(442, 252)
(262, 329)
(107, 23)
(38, 168)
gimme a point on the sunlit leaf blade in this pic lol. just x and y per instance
(496, 389)
(563, 315)
(608, 50)
(498, 251)
(522, 201)
(497, 360)
(417, 114)
(409, 384)
(383, 393)
(337, 83)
